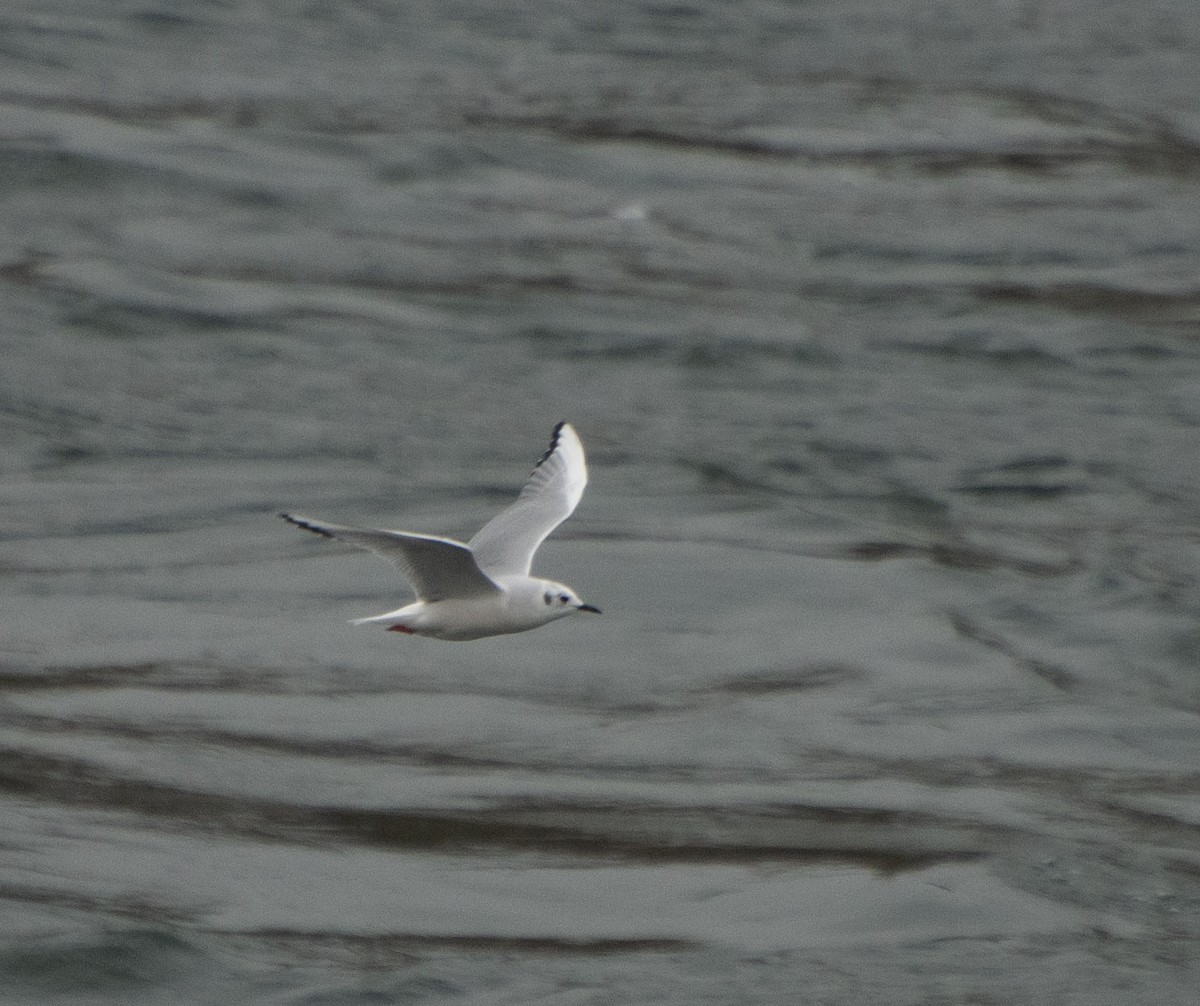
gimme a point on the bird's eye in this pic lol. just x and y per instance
(563, 599)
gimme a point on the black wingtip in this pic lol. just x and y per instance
(554, 437)
(300, 522)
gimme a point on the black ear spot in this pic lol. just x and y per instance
(547, 597)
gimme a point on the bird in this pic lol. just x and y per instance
(482, 587)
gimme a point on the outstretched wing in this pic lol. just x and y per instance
(437, 568)
(505, 545)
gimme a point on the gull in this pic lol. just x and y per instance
(483, 587)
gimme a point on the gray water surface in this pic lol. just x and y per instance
(878, 323)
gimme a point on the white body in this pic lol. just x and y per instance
(482, 587)
(521, 606)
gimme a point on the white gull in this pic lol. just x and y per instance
(482, 587)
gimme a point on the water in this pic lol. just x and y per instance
(879, 325)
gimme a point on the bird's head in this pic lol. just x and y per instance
(561, 599)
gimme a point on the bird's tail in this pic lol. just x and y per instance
(397, 621)
(374, 619)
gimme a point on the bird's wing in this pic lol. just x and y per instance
(437, 568)
(505, 545)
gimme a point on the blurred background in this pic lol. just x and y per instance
(879, 324)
